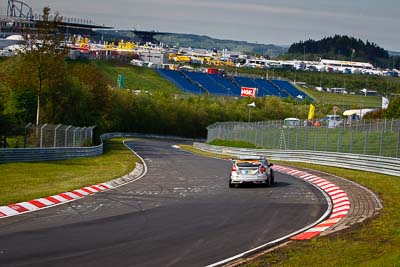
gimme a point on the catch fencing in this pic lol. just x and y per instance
(370, 137)
(384, 165)
(49, 135)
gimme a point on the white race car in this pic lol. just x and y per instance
(251, 169)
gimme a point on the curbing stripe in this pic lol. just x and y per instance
(46, 202)
(81, 192)
(53, 200)
(339, 198)
(37, 203)
(343, 208)
(28, 206)
(18, 208)
(59, 198)
(8, 211)
(88, 191)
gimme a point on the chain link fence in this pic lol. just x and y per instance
(49, 135)
(371, 137)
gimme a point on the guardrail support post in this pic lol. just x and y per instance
(91, 134)
(316, 138)
(339, 140)
(66, 135)
(351, 140)
(398, 145)
(381, 143)
(81, 136)
(366, 141)
(326, 138)
(55, 134)
(74, 137)
(41, 134)
(26, 127)
(306, 143)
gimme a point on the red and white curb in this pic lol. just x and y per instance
(46, 202)
(339, 198)
(51, 201)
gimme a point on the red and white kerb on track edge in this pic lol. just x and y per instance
(46, 202)
(340, 200)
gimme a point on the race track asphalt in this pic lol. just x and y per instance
(181, 213)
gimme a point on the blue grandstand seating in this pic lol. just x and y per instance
(249, 82)
(180, 81)
(270, 89)
(264, 88)
(207, 82)
(288, 87)
(198, 83)
(226, 83)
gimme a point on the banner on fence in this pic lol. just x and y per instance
(248, 91)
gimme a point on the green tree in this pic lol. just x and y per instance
(43, 59)
(393, 110)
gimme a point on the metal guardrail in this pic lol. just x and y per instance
(45, 154)
(377, 164)
(61, 153)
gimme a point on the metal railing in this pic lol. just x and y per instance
(49, 135)
(380, 137)
(384, 165)
(54, 142)
(60, 153)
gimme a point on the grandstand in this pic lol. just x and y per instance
(179, 79)
(225, 82)
(288, 87)
(216, 84)
(209, 81)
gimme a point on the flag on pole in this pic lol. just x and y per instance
(385, 102)
(311, 112)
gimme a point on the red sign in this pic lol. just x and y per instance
(248, 91)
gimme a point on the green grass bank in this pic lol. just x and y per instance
(27, 181)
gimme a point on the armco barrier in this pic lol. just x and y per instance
(61, 153)
(384, 165)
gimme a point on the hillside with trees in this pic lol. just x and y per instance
(42, 86)
(342, 47)
(206, 42)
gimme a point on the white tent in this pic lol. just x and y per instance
(351, 112)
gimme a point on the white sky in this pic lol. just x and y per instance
(280, 22)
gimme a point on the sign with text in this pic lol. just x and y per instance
(248, 91)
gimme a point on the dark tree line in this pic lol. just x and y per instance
(343, 47)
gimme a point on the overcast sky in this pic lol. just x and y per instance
(280, 22)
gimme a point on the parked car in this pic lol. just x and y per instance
(331, 121)
(251, 169)
(291, 122)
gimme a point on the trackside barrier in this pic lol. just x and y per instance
(61, 153)
(377, 164)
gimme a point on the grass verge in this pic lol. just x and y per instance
(191, 149)
(136, 78)
(373, 243)
(232, 143)
(343, 100)
(26, 181)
